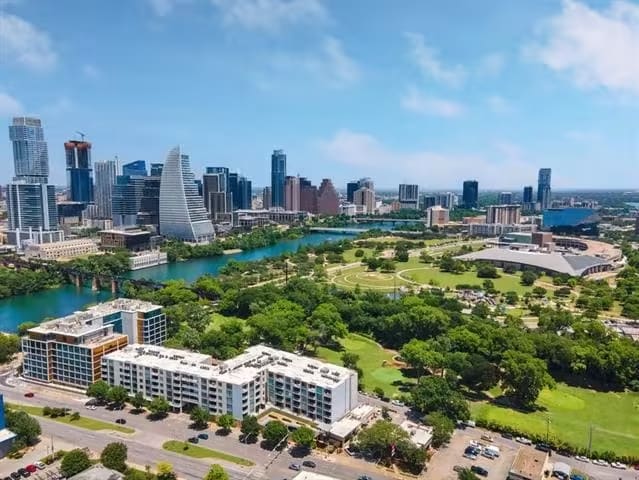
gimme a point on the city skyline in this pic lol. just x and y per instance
(406, 90)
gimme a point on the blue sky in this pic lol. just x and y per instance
(418, 91)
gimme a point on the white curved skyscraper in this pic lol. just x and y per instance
(182, 213)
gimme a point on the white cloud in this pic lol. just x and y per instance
(270, 15)
(491, 64)
(498, 104)
(91, 71)
(415, 101)
(428, 168)
(596, 48)
(9, 105)
(25, 44)
(330, 64)
(427, 60)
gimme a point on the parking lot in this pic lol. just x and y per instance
(441, 465)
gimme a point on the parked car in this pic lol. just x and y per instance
(29, 394)
(40, 465)
(542, 447)
(194, 440)
(31, 468)
(479, 470)
(203, 436)
(309, 463)
(489, 454)
(364, 477)
(472, 452)
(509, 436)
(24, 472)
(600, 462)
(574, 476)
(523, 440)
(120, 421)
(487, 437)
(471, 423)
(619, 465)
(294, 466)
(581, 458)
(14, 475)
(91, 407)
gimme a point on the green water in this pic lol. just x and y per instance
(67, 299)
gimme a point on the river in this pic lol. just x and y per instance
(67, 299)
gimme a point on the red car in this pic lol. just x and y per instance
(31, 468)
(29, 394)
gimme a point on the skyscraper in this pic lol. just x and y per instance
(278, 177)
(350, 190)
(543, 188)
(30, 153)
(506, 198)
(504, 214)
(105, 173)
(366, 197)
(31, 209)
(470, 194)
(292, 193)
(135, 169)
(408, 196)
(245, 192)
(233, 187)
(156, 169)
(328, 200)
(79, 171)
(266, 198)
(149, 211)
(308, 196)
(182, 212)
(528, 194)
(126, 199)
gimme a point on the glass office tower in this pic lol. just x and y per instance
(278, 177)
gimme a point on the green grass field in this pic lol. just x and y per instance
(351, 277)
(82, 422)
(614, 417)
(372, 357)
(349, 255)
(196, 451)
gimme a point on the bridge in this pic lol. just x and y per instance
(343, 230)
(388, 220)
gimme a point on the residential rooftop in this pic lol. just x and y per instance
(240, 369)
(98, 472)
(529, 463)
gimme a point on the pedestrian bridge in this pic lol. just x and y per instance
(344, 230)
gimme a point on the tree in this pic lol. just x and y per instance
(487, 270)
(216, 472)
(524, 376)
(138, 401)
(327, 321)
(511, 298)
(99, 390)
(24, 327)
(304, 437)
(442, 428)
(226, 422)
(118, 395)
(359, 253)
(159, 407)
(200, 417)
(114, 456)
(250, 427)
(479, 373)
(434, 394)
(420, 355)
(9, 346)
(26, 428)
(74, 462)
(281, 325)
(379, 391)
(165, 471)
(466, 474)
(274, 432)
(387, 265)
(349, 360)
(539, 292)
(377, 439)
(528, 277)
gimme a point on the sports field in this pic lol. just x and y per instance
(614, 417)
(376, 362)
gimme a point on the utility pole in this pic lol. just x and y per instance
(547, 428)
(286, 271)
(590, 440)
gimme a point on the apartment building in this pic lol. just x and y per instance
(69, 350)
(66, 249)
(261, 377)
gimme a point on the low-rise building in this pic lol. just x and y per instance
(498, 229)
(68, 350)
(150, 258)
(98, 472)
(261, 377)
(66, 249)
(437, 216)
(529, 464)
(420, 435)
(134, 240)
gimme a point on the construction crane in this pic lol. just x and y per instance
(81, 135)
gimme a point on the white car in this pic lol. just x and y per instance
(618, 465)
(581, 458)
(523, 440)
(601, 463)
(40, 465)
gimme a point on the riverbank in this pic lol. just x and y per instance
(231, 251)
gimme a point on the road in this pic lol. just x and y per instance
(145, 445)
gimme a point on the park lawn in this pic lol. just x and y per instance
(349, 255)
(360, 275)
(82, 422)
(375, 362)
(427, 274)
(217, 320)
(614, 417)
(196, 451)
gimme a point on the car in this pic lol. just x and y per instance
(309, 463)
(574, 476)
(40, 465)
(120, 421)
(489, 454)
(523, 440)
(294, 466)
(29, 394)
(507, 436)
(543, 447)
(31, 468)
(458, 468)
(203, 436)
(471, 423)
(364, 477)
(479, 470)
(619, 465)
(193, 440)
(487, 437)
(14, 475)
(581, 458)
(600, 462)
(24, 472)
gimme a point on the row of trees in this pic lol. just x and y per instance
(24, 281)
